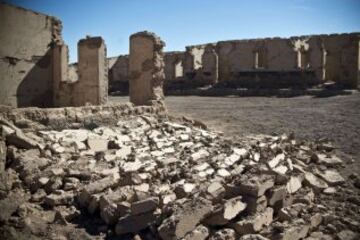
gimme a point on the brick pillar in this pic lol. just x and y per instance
(92, 86)
(146, 68)
(60, 71)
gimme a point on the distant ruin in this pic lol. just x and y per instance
(35, 70)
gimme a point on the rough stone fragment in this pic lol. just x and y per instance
(255, 185)
(316, 183)
(60, 198)
(276, 195)
(144, 206)
(199, 233)
(2, 155)
(295, 232)
(329, 160)
(276, 160)
(134, 223)
(291, 212)
(332, 177)
(227, 212)
(97, 144)
(184, 219)
(255, 204)
(254, 224)
(216, 191)
(97, 187)
(294, 184)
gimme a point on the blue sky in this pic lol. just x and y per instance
(186, 22)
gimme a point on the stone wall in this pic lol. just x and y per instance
(26, 67)
(266, 63)
(34, 67)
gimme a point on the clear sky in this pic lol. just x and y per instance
(187, 22)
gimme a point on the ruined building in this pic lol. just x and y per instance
(260, 63)
(34, 68)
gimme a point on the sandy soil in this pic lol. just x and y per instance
(336, 118)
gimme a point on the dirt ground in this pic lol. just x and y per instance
(335, 118)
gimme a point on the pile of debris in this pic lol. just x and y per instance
(152, 178)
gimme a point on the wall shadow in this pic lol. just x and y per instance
(35, 90)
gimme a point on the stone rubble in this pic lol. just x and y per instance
(148, 176)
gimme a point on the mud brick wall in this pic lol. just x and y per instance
(26, 56)
(146, 68)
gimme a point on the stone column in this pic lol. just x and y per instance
(92, 86)
(60, 71)
(146, 68)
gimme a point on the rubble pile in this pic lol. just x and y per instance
(149, 177)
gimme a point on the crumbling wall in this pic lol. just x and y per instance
(146, 68)
(84, 83)
(342, 58)
(26, 56)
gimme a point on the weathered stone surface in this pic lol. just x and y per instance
(332, 177)
(60, 198)
(10, 204)
(146, 68)
(97, 187)
(227, 212)
(97, 145)
(255, 185)
(184, 219)
(295, 232)
(144, 206)
(134, 223)
(294, 184)
(254, 224)
(224, 234)
(276, 195)
(316, 183)
(255, 204)
(199, 233)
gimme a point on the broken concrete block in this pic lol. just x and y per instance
(96, 187)
(291, 212)
(98, 144)
(315, 220)
(255, 185)
(168, 198)
(202, 153)
(254, 224)
(199, 233)
(329, 161)
(184, 219)
(276, 160)
(123, 152)
(255, 204)
(276, 195)
(227, 212)
(294, 184)
(332, 177)
(316, 183)
(59, 198)
(144, 206)
(216, 191)
(134, 223)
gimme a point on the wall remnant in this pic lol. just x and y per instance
(26, 65)
(301, 61)
(34, 67)
(146, 68)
